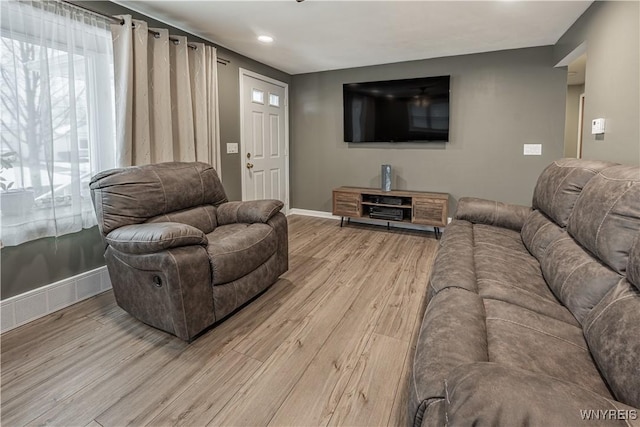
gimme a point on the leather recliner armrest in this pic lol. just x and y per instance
(154, 237)
(490, 212)
(250, 212)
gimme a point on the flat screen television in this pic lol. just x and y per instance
(409, 110)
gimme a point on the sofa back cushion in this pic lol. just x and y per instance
(606, 216)
(136, 194)
(538, 232)
(560, 184)
(576, 278)
(633, 265)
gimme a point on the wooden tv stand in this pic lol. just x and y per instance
(395, 206)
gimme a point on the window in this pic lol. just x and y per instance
(57, 117)
(274, 100)
(257, 96)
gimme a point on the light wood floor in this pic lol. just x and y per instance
(328, 344)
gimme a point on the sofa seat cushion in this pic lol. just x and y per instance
(503, 239)
(238, 249)
(506, 271)
(490, 394)
(501, 257)
(526, 299)
(453, 333)
(493, 263)
(520, 338)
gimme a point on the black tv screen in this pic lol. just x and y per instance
(410, 110)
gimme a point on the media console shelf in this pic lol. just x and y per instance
(415, 207)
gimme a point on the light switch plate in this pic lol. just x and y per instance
(532, 149)
(597, 126)
(232, 148)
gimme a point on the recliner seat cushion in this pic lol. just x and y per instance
(238, 249)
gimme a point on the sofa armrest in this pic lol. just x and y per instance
(493, 394)
(490, 212)
(154, 237)
(249, 212)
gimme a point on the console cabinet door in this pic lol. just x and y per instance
(346, 204)
(429, 211)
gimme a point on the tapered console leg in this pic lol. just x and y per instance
(341, 221)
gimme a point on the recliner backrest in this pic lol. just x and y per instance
(136, 195)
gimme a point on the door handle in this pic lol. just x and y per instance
(249, 165)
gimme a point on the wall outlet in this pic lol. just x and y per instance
(533, 149)
(232, 148)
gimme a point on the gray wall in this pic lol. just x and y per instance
(44, 261)
(612, 85)
(572, 112)
(499, 101)
(38, 263)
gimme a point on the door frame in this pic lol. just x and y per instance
(243, 150)
(580, 124)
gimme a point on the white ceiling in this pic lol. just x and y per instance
(318, 35)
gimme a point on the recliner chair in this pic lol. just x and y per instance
(180, 255)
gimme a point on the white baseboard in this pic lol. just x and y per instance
(32, 305)
(317, 214)
(323, 214)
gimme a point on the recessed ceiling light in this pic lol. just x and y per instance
(265, 39)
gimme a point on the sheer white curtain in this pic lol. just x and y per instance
(166, 96)
(57, 117)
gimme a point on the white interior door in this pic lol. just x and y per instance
(264, 138)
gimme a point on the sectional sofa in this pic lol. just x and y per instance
(533, 314)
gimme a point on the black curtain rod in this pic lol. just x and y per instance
(121, 22)
(95, 12)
